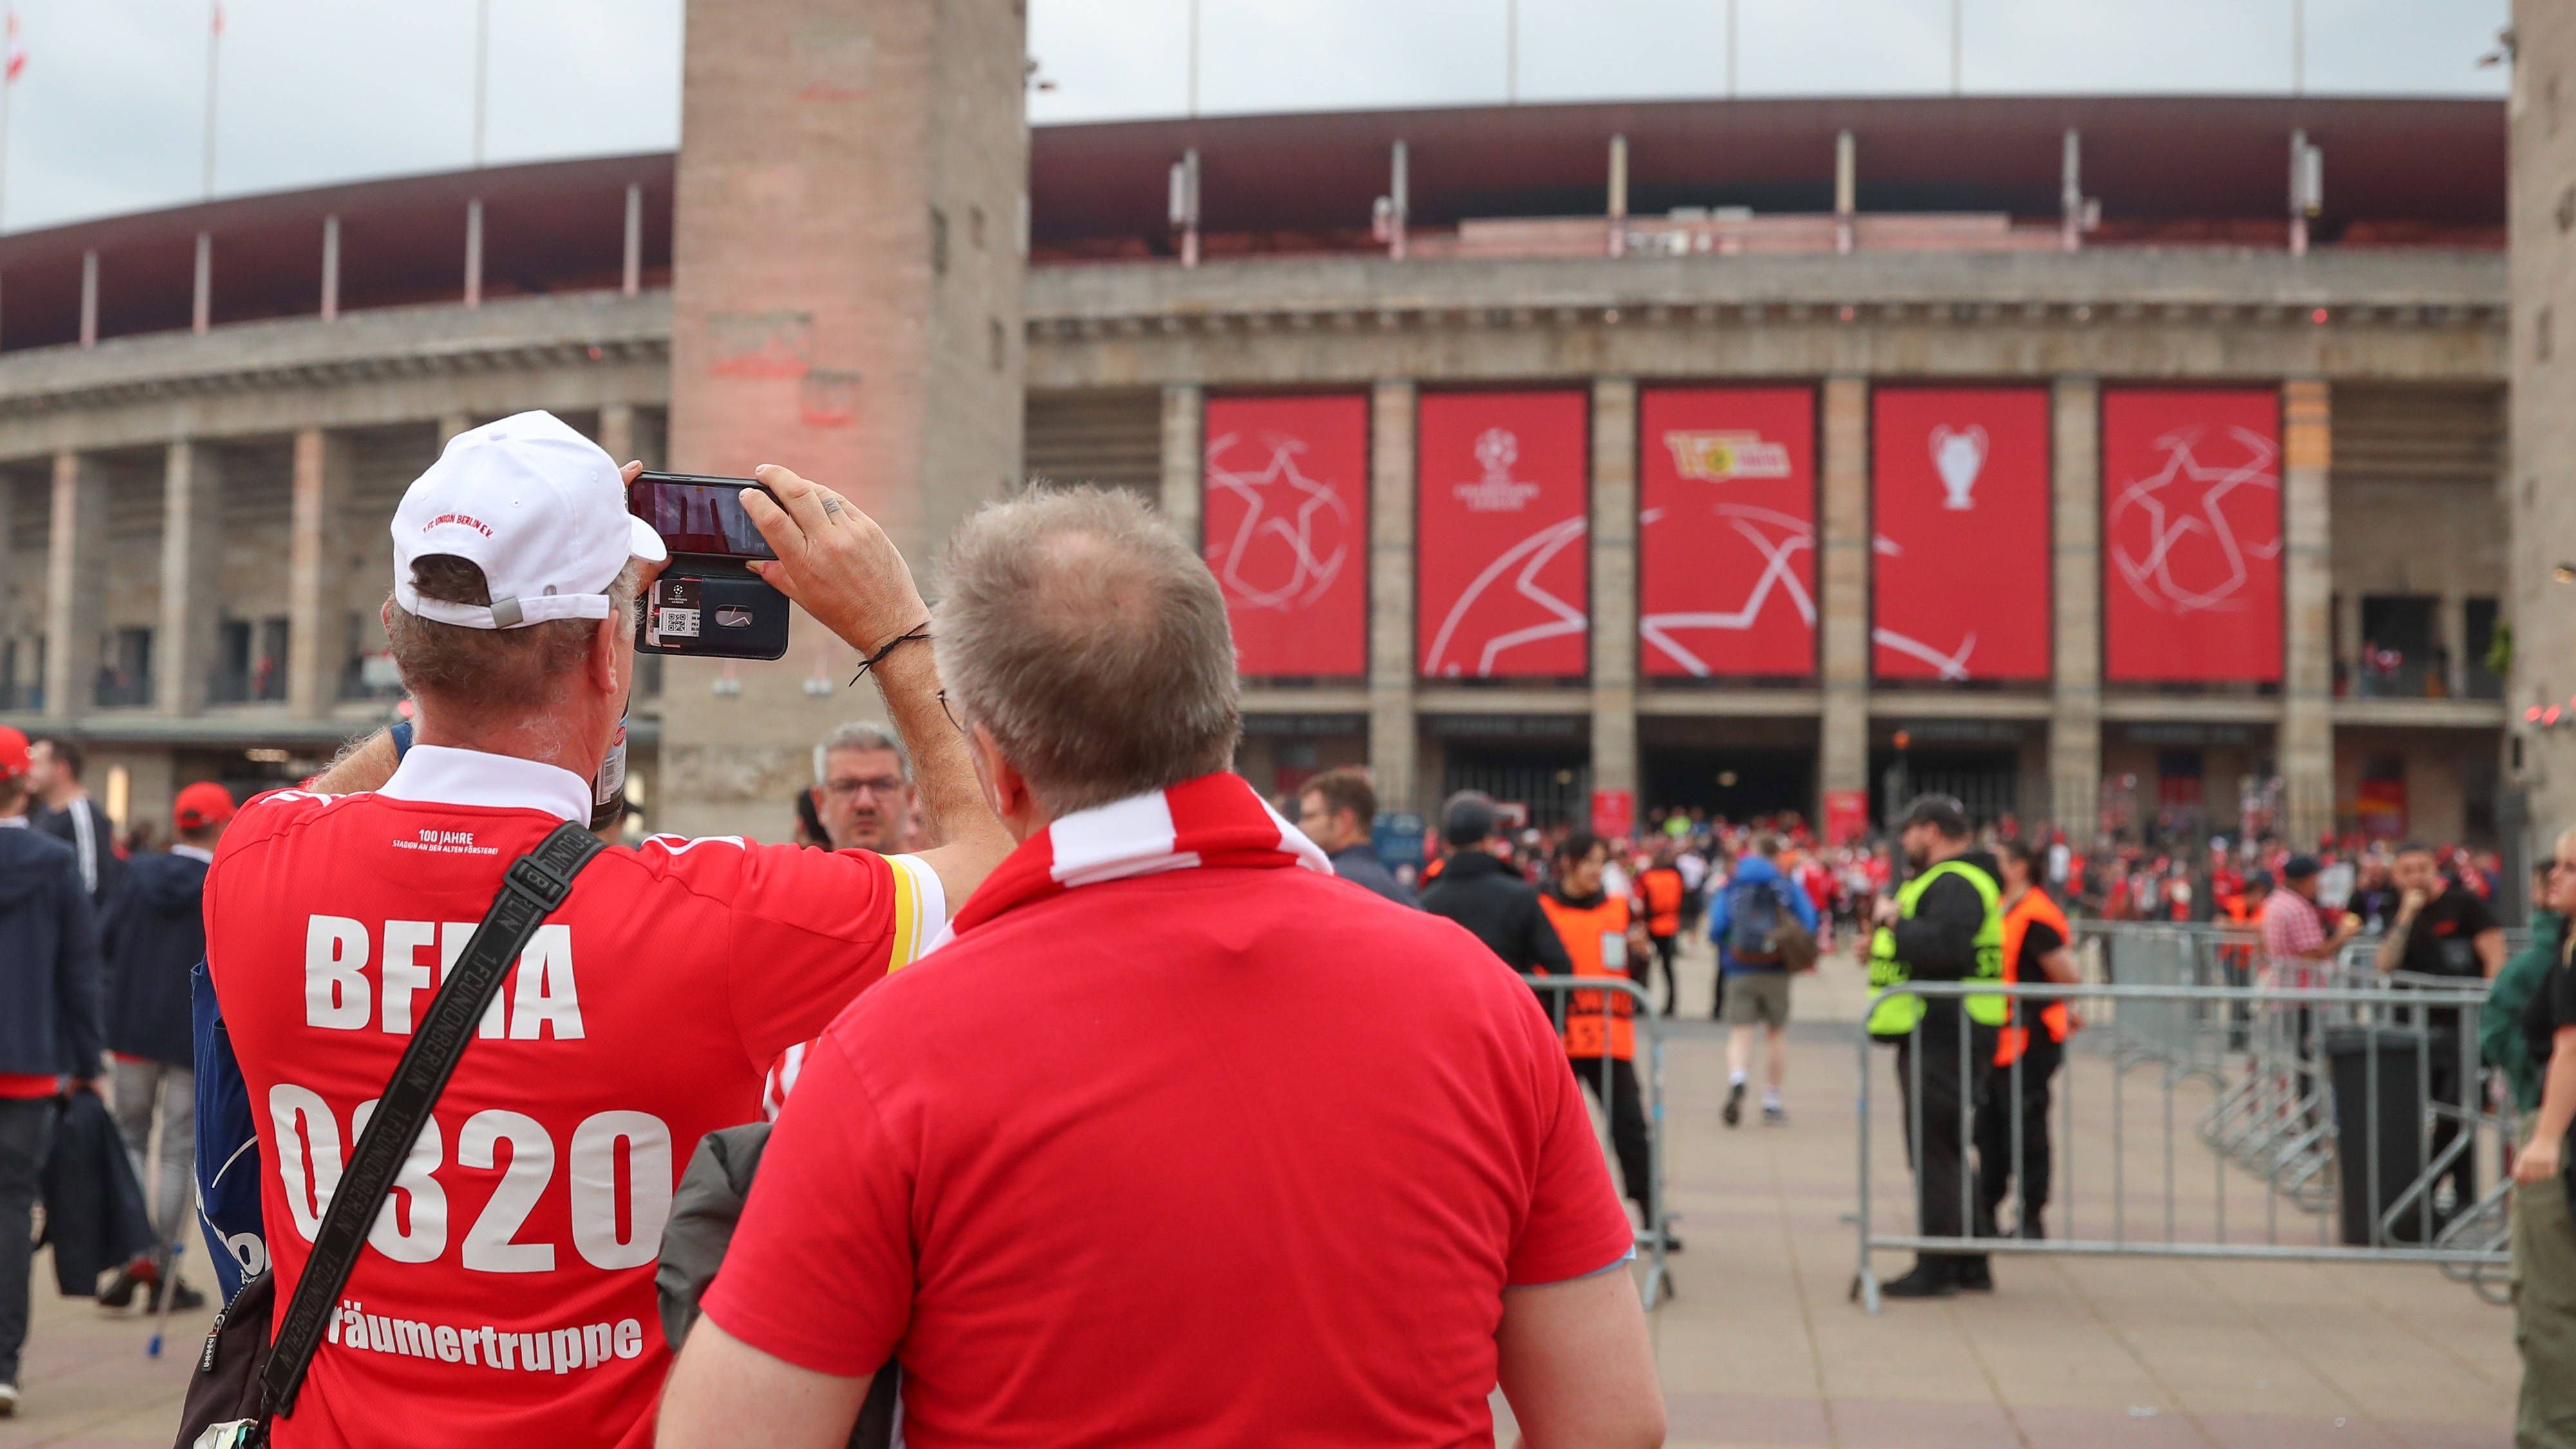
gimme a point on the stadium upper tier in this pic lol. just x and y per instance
(1723, 177)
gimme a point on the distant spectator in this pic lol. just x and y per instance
(1745, 924)
(863, 790)
(65, 812)
(1663, 888)
(2441, 929)
(1338, 811)
(1483, 893)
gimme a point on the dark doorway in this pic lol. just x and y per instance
(1729, 783)
(1987, 782)
(1553, 779)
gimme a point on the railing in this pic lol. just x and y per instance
(1602, 997)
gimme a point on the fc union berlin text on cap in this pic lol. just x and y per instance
(535, 505)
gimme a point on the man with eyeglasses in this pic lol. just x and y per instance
(863, 789)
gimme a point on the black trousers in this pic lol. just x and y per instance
(2447, 1088)
(1951, 1086)
(1627, 1108)
(1666, 947)
(2039, 1063)
(26, 1130)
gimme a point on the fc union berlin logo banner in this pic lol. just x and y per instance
(2191, 535)
(1502, 577)
(1959, 504)
(1726, 532)
(1286, 526)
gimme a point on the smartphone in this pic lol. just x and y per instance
(707, 603)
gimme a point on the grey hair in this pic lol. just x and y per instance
(1079, 630)
(510, 669)
(858, 734)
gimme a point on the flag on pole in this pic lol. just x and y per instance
(16, 61)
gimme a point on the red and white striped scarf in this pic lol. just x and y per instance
(1213, 820)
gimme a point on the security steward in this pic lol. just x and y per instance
(1661, 889)
(2038, 946)
(1944, 924)
(1604, 938)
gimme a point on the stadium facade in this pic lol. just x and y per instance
(2079, 456)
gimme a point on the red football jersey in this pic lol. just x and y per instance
(506, 1295)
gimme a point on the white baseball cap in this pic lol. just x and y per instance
(538, 507)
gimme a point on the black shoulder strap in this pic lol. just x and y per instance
(534, 886)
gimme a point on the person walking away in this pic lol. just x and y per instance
(2442, 929)
(1749, 922)
(1479, 890)
(1338, 811)
(2012, 1117)
(64, 811)
(1944, 924)
(151, 939)
(863, 792)
(1692, 862)
(1604, 938)
(1178, 1141)
(48, 1027)
(639, 1017)
(2543, 1232)
(1662, 887)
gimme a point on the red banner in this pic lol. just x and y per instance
(1726, 532)
(1959, 502)
(2191, 535)
(1286, 490)
(1503, 579)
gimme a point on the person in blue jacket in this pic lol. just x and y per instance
(48, 1028)
(1753, 976)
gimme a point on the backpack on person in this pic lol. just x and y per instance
(1762, 931)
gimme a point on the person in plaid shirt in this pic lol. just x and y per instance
(2295, 940)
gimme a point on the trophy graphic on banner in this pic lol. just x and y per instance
(1959, 455)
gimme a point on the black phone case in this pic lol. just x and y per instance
(711, 609)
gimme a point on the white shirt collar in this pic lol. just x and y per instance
(445, 775)
(13, 822)
(186, 851)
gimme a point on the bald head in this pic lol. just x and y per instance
(1078, 630)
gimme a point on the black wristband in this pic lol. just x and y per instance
(920, 631)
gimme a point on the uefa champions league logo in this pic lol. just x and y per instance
(1497, 449)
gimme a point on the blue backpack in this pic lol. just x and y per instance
(1753, 912)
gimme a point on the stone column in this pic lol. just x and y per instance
(75, 584)
(316, 628)
(2075, 705)
(192, 558)
(2452, 628)
(1393, 733)
(1184, 443)
(617, 432)
(450, 424)
(1843, 588)
(2305, 747)
(1614, 584)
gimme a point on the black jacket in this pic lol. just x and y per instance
(93, 1206)
(1359, 865)
(48, 961)
(1501, 910)
(92, 836)
(1939, 941)
(151, 937)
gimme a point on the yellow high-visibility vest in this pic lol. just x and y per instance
(1897, 1015)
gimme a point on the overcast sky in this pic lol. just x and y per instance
(109, 114)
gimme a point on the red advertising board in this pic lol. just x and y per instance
(1286, 529)
(1726, 532)
(1614, 814)
(1846, 817)
(1502, 577)
(2191, 535)
(1959, 505)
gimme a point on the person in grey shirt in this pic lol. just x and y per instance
(1338, 811)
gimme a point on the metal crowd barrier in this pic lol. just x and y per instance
(1590, 994)
(2348, 1104)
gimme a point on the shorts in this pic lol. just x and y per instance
(1757, 997)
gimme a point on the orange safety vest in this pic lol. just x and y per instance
(1597, 939)
(1664, 889)
(2034, 905)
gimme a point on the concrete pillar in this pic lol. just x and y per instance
(2305, 748)
(450, 424)
(2075, 705)
(201, 307)
(1393, 735)
(1843, 588)
(89, 299)
(632, 282)
(1184, 443)
(474, 252)
(75, 584)
(2452, 626)
(330, 268)
(316, 628)
(1614, 584)
(192, 556)
(617, 431)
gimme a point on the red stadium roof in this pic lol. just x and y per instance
(2173, 168)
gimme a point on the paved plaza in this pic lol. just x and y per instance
(1760, 1347)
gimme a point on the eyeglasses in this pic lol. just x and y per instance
(874, 785)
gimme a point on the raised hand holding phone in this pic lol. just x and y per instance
(834, 560)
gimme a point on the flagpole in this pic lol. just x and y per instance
(482, 69)
(9, 65)
(214, 50)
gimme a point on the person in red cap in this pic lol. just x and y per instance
(48, 1026)
(152, 935)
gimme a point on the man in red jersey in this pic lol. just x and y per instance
(1181, 1140)
(506, 1295)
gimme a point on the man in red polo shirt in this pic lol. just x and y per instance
(506, 1294)
(1181, 1140)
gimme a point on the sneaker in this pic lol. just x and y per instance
(8, 1399)
(1734, 1112)
(183, 1299)
(1774, 1115)
(119, 1292)
(1927, 1280)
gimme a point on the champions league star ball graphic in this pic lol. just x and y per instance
(1292, 538)
(2184, 538)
